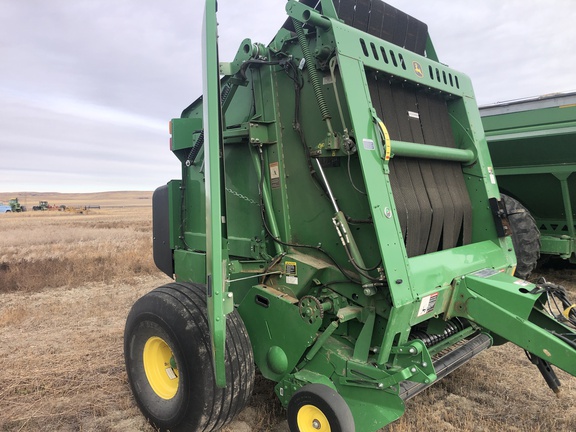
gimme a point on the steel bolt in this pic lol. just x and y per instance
(413, 370)
(412, 350)
(424, 364)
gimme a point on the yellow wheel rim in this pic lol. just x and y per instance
(160, 367)
(312, 419)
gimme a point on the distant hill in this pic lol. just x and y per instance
(105, 199)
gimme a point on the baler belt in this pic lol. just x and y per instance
(385, 22)
(432, 202)
(436, 122)
(378, 19)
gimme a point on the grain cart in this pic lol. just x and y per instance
(338, 225)
(532, 143)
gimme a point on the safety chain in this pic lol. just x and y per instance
(239, 195)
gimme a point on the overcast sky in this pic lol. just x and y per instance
(87, 87)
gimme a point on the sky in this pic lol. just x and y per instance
(87, 87)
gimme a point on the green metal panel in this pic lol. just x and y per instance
(276, 351)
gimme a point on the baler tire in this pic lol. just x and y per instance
(525, 237)
(167, 336)
(319, 408)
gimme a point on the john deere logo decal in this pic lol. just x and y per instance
(417, 69)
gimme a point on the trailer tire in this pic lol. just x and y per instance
(168, 355)
(319, 408)
(525, 236)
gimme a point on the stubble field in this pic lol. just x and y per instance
(68, 280)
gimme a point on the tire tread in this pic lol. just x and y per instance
(525, 237)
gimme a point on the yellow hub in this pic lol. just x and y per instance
(160, 367)
(312, 419)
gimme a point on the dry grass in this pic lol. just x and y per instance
(51, 249)
(67, 282)
(63, 352)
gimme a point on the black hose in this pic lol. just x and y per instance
(249, 63)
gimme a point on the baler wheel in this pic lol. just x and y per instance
(319, 408)
(525, 237)
(168, 357)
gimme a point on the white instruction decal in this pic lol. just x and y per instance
(491, 175)
(368, 144)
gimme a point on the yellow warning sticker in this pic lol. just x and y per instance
(290, 268)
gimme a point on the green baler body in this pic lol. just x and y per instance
(354, 224)
(533, 146)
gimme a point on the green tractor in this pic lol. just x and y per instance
(337, 226)
(16, 206)
(42, 205)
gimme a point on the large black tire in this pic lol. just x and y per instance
(525, 236)
(168, 357)
(319, 408)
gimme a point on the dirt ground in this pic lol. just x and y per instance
(63, 367)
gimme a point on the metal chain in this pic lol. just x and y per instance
(239, 195)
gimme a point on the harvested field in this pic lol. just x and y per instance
(68, 280)
(104, 199)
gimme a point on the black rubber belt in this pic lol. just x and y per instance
(432, 201)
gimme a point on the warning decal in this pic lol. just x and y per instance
(291, 270)
(427, 304)
(274, 175)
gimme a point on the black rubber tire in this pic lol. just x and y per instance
(525, 236)
(326, 400)
(177, 313)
